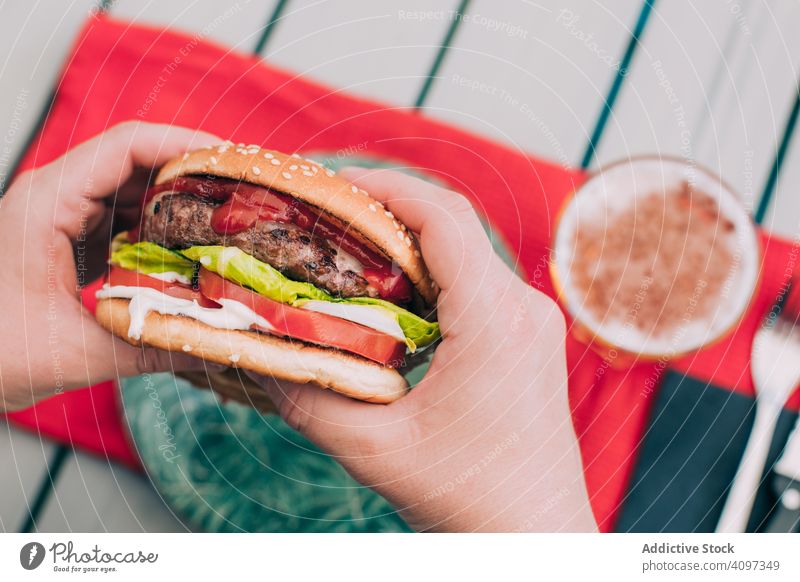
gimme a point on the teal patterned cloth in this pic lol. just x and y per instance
(226, 467)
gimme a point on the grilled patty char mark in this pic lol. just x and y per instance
(179, 220)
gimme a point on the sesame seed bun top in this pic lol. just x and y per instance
(347, 205)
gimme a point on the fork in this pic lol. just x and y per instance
(775, 367)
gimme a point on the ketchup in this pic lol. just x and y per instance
(243, 205)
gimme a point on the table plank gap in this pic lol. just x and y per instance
(24, 457)
(616, 84)
(374, 50)
(45, 489)
(714, 84)
(531, 76)
(440, 54)
(768, 192)
(94, 494)
(34, 82)
(269, 27)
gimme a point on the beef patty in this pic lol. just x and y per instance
(178, 220)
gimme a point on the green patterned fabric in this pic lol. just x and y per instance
(226, 468)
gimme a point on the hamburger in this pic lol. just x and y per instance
(272, 263)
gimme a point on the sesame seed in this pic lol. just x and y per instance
(296, 156)
(416, 254)
(372, 207)
(408, 242)
(234, 358)
(400, 234)
(307, 173)
(305, 167)
(256, 170)
(275, 162)
(186, 348)
(364, 192)
(389, 214)
(354, 189)
(402, 227)
(293, 167)
(213, 160)
(287, 175)
(268, 155)
(329, 173)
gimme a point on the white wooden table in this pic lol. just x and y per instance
(714, 79)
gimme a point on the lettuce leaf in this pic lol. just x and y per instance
(148, 258)
(235, 265)
(419, 332)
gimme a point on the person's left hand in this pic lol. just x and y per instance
(55, 226)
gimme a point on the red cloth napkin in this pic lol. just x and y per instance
(119, 71)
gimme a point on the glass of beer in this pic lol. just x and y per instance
(654, 258)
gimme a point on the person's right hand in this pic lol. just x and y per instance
(485, 441)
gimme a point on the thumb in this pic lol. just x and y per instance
(455, 246)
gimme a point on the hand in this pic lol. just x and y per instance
(485, 441)
(55, 226)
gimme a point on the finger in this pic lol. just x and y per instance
(411, 197)
(96, 168)
(455, 246)
(341, 425)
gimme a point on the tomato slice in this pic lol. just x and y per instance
(308, 326)
(124, 277)
(394, 287)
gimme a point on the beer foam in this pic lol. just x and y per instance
(615, 190)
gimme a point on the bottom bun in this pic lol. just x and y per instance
(283, 359)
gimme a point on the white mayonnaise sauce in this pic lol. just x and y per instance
(364, 314)
(232, 314)
(171, 277)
